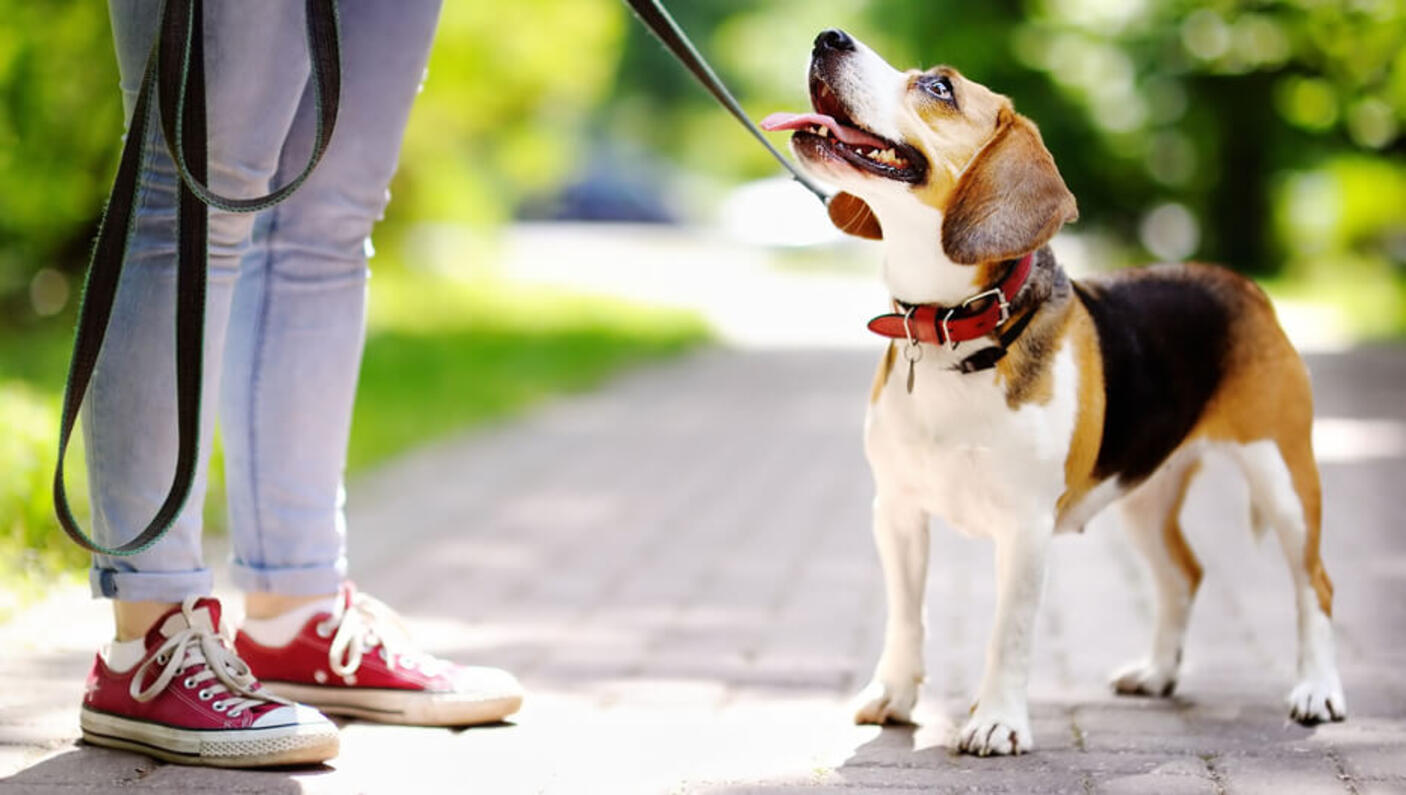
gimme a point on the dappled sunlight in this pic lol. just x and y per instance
(737, 287)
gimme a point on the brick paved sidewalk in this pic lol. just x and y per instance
(680, 569)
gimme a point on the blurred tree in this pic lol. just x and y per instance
(60, 132)
(1203, 104)
(502, 116)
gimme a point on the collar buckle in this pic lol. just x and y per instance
(995, 292)
(999, 295)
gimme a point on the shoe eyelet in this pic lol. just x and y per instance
(323, 631)
(205, 695)
(189, 683)
(219, 706)
(161, 658)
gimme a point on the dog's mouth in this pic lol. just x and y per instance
(830, 131)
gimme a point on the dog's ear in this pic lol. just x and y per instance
(853, 216)
(1010, 200)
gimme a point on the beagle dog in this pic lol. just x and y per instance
(1016, 403)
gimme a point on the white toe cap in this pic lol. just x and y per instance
(293, 714)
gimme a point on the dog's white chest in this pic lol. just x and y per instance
(956, 447)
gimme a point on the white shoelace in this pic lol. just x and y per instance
(195, 646)
(363, 625)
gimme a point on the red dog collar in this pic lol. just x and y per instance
(942, 325)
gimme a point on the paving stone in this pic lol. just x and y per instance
(1143, 783)
(1394, 786)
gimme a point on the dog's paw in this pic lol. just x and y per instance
(1145, 679)
(997, 732)
(881, 702)
(1318, 699)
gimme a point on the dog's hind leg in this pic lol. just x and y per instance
(1151, 517)
(901, 533)
(1285, 490)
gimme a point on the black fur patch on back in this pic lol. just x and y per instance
(1163, 335)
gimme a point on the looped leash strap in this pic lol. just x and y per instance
(183, 81)
(653, 15)
(175, 72)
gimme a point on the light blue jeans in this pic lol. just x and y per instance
(285, 317)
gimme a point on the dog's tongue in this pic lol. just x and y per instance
(798, 121)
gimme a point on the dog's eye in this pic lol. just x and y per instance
(938, 86)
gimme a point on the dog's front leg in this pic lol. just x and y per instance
(1000, 720)
(901, 533)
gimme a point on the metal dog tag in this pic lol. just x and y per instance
(912, 352)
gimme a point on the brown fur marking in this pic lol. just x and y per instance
(1009, 200)
(1172, 536)
(1088, 422)
(881, 377)
(950, 137)
(1027, 369)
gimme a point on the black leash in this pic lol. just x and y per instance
(175, 71)
(653, 15)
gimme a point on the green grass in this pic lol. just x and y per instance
(441, 356)
(445, 355)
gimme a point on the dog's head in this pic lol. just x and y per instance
(931, 137)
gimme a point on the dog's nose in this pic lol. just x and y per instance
(833, 39)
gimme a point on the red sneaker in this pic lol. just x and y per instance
(192, 701)
(356, 661)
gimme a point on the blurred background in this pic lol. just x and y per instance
(559, 158)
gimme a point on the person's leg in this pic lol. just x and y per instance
(299, 318)
(289, 383)
(257, 67)
(170, 685)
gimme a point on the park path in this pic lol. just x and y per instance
(679, 568)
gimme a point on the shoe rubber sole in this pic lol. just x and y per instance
(262, 747)
(410, 707)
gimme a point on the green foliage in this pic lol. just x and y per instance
(32, 548)
(504, 107)
(29, 421)
(502, 116)
(60, 129)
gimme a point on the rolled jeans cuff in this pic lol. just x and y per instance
(290, 580)
(149, 586)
